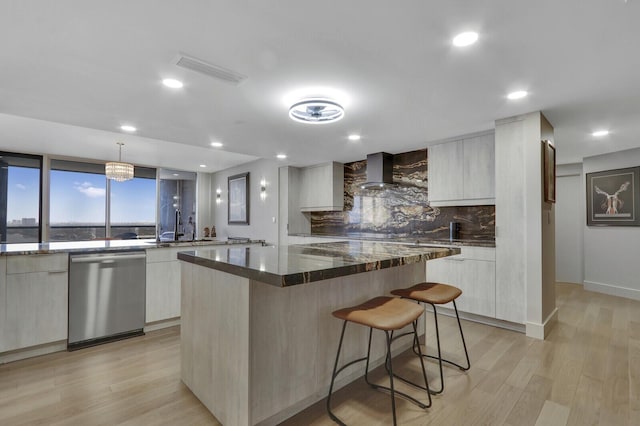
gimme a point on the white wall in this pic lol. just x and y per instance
(611, 252)
(570, 219)
(263, 214)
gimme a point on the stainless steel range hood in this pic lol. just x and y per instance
(379, 171)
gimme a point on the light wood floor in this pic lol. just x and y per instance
(586, 372)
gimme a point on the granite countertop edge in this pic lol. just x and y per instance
(304, 277)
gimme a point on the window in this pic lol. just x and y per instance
(20, 177)
(177, 192)
(79, 203)
(133, 207)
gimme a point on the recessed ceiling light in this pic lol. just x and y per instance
(281, 156)
(176, 174)
(128, 128)
(216, 144)
(465, 39)
(203, 165)
(316, 111)
(354, 137)
(172, 83)
(599, 133)
(517, 94)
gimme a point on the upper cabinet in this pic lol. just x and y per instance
(462, 173)
(322, 187)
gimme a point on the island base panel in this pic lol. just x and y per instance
(254, 353)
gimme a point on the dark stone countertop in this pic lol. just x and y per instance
(285, 266)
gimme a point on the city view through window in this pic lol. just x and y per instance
(78, 206)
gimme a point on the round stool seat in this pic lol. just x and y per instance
(382, 313)
(428, 292)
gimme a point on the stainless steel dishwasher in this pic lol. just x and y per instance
(106, 297)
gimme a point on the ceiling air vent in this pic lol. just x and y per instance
(197, 65)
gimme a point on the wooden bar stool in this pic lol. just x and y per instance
(436, 294)
(386, 314)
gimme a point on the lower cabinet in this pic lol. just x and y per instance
(474, 272)
(163, 284)
(35, 301)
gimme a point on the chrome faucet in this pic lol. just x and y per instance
(176, 227)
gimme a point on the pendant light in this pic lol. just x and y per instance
(117, 170)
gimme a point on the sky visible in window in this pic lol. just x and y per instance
(23, 193)
(80, 198)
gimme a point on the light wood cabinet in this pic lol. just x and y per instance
(322, 187)
(36, 300)
(462, 172)
(163, 284)
(445, 172)
(473, 271)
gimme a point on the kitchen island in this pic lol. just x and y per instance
(258, 337)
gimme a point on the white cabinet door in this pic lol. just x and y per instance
(478, 285)
(36, 297)
(21, 317)
(163, 291)
(445, 171)
(462, 173)
(163, 284)
(479, 167)
(36, 311)
(476, 279)
(322, 187)
(50, 292)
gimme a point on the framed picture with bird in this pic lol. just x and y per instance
(613, 198)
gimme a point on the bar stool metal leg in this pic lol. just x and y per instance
(333, 377)
(439, 357)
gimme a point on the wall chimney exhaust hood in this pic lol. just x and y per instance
(379, 171)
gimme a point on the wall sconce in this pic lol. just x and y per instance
(263, 189)
(218, 196)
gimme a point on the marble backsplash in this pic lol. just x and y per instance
(402, 210)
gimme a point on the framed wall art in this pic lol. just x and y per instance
(612, 197)
(549, 171)
(238, 205)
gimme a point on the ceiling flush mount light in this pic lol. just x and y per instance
(354, 137)
(600, 133)
(117, 170)
(128, 128)
(172, 83)
(465, 39)
(519, 94)
(216, 144)
(316, 111)
(281, 156)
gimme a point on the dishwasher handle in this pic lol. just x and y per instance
(101, 258)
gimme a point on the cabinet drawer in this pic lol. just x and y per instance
(20, 264)
(478, 253)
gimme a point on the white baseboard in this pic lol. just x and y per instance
(159, 325)
(494, 322)
(541, 331)
(612, 290)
